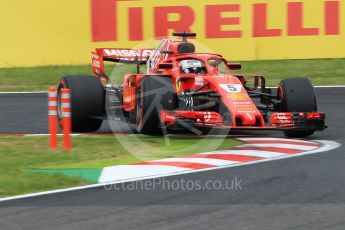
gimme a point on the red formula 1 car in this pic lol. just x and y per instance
(189, 90)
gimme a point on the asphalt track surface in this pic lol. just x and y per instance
(297, 193)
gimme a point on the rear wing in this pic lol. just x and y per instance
(129, 56)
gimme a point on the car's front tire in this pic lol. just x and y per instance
(297, 95)
(155, 93)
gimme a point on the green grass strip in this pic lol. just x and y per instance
(89, 175)
(19, 155)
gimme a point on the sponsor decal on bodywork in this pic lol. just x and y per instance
(232, 88)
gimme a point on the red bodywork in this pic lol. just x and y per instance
(244, 113)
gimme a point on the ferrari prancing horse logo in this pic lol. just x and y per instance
(178, 85)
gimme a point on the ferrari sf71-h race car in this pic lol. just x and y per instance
(185, 89)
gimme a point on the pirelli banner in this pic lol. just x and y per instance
(42, 32)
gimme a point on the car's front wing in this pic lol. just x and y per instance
(277, 121)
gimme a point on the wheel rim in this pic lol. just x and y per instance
(61, 86)
(59, 109)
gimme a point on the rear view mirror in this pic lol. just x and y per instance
(234, 66)
(253, 82)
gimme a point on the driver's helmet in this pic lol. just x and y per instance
(191, 66)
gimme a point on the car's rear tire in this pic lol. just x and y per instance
(154, 94)
(87, 102)
(297, 95)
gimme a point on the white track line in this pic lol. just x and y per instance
(326, 146)
(317, 86)
(330, 86)
(34, 92)
(43, 135)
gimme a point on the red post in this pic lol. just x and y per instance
(52, 117)
(66, 118)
